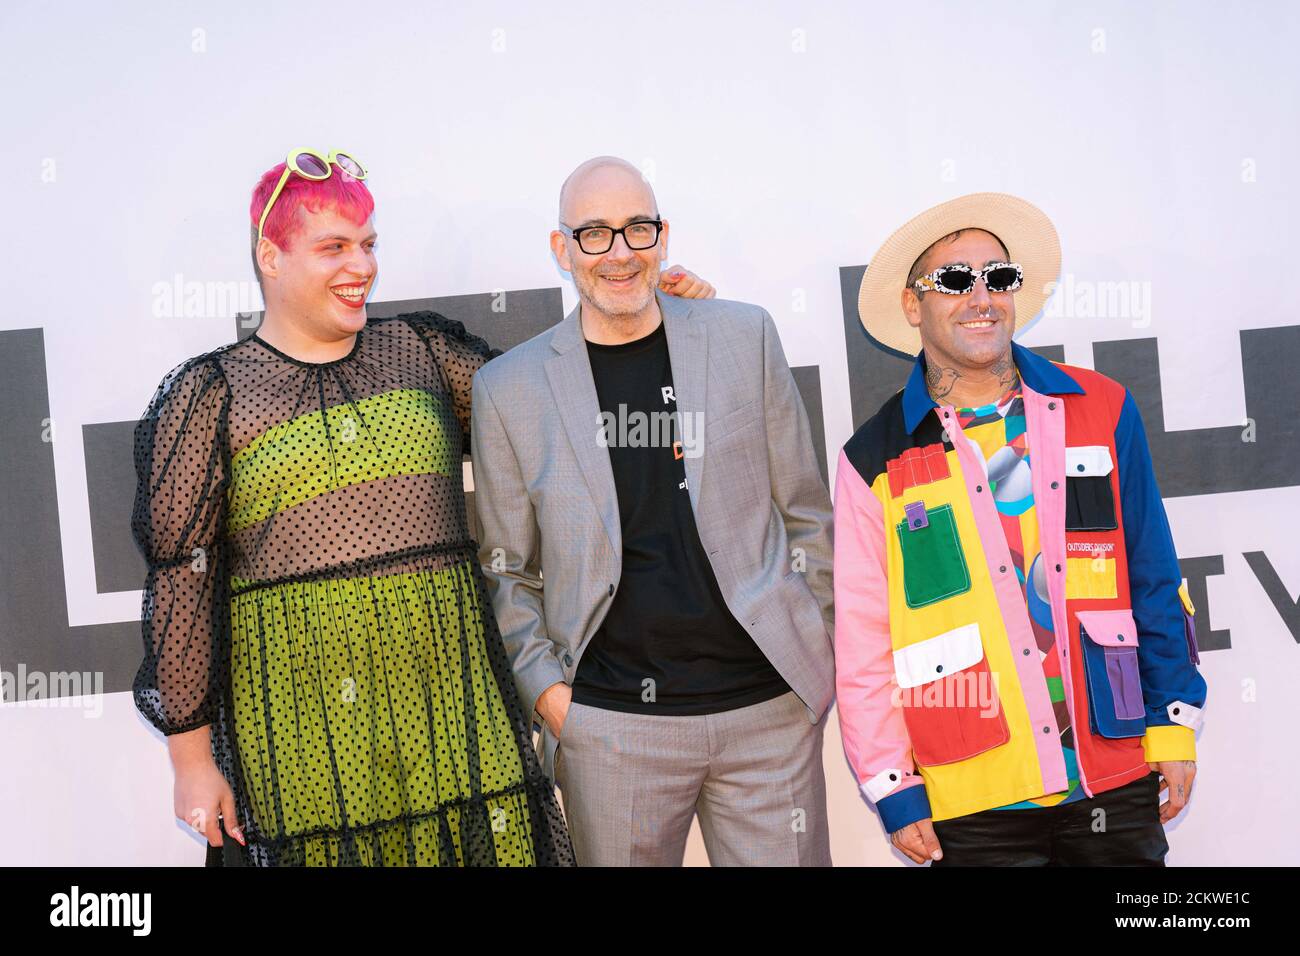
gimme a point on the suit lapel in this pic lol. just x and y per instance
(569, 374)
(688, 351)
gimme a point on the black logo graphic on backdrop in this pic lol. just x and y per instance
(34, 628)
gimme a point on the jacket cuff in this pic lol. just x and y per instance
(533, 681)
(903, 807)
(1169, 743)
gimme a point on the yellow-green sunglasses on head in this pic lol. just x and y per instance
(310, 164)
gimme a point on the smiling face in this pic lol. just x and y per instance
(321, 279)
(621, 283)
(972, 331)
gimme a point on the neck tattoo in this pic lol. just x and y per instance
(941, 380)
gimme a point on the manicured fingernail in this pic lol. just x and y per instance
(937, 855)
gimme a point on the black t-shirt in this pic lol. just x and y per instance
(667, 623)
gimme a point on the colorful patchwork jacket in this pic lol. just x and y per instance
(943, 704)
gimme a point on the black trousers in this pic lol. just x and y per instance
(1120, 827)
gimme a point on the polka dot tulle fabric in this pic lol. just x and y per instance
(314, 596)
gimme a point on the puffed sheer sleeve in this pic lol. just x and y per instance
(182, 467)
(459, 354)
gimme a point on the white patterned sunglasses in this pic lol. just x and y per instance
(958, 279)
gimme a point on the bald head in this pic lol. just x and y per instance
(587, 188)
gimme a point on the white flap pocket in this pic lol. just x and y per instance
(937, 657)
(1087, 461)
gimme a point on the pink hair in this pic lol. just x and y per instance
(348, 196)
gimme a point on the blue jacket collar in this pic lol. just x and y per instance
(1038, 373)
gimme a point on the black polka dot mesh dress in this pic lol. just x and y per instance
(314, 595)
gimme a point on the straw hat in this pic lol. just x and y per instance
(1029, 236)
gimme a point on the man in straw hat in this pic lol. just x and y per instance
(1013, 643)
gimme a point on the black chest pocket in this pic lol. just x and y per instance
(1089, 496)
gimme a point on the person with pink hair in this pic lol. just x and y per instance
(319, 648)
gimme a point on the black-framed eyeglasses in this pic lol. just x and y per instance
(598, 240)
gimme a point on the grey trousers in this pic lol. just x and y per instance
(632, 783)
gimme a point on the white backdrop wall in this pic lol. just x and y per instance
(785, 141)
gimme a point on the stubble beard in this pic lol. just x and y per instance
(589, 289)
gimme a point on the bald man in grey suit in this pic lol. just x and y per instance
(652, 458)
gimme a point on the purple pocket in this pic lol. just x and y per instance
(1192, 650)
(1125, 687)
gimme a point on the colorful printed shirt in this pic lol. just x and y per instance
(998, 431)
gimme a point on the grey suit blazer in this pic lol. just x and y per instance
(546, 501)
